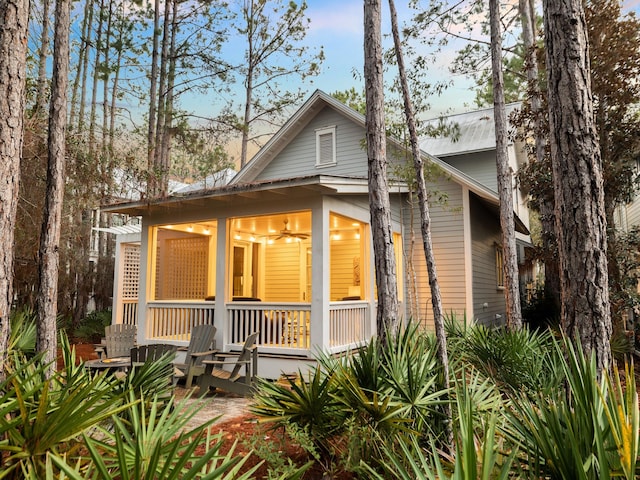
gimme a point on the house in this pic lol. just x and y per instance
(472, 150)
(285, 248)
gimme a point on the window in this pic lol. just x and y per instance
(499, 267)
(326, 146)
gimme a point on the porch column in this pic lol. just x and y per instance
(146, 263)
(320, 280)
(222, 257)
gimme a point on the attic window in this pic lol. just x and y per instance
(326, 146)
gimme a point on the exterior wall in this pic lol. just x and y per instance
(448, 238)
(280, 261)
(628, 216)
(480, 166)
(298, 158)
(488, 299)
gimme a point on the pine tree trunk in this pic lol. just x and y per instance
(94, 87)
(546, 208)
(171, 74)
(14, 17)
(578, 181)
(41, 92)
(159, 162)
(85, 66)
(379, 204)
(425, 216)
(505, 187)
(50, 236)
(106, 74)
(152, 183)
(248, 85)
(79, 68)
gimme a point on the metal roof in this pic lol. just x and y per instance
(476, 129)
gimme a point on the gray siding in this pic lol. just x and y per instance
(485, 235)
(298, 158)
(447, 231)
(480, 166)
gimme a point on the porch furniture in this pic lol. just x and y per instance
(119, 339)
(119, 364)
(142, 354)
(150, 353)
(201, 345)
(230, 380)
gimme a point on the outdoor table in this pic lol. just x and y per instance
(118, 363)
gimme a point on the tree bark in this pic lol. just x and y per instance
(578, 181)
(152, 184)
(14, 18)
(50, 237)
(159, 162)
(41, 92)
(94, 86)
(425, 217)
(546, 203)
(379, 204)
(86, 41)
(505, 187)
(248, 83)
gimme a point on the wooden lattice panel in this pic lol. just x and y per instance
(130, 271)
(186, 273)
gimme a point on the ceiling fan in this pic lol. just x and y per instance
(286, 233)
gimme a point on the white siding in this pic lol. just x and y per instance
(447, 231)
(298, 158)
(485, 234)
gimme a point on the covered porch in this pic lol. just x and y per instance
(302, 278)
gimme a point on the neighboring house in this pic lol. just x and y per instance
(472, 150)
(285, 248)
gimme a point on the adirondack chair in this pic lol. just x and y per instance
(200, 347)
(149, 353)
(119, 339)
(142, 354)
(231, 380)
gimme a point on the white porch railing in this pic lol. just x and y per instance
(281, 325)
(174, 320)
(129, 312)
(348, 324)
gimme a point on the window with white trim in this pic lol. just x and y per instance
(326, 146)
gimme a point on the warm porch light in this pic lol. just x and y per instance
(190, 228)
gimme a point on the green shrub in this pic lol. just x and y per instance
(92, 327)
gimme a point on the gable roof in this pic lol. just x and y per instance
(244, 181)
(314, 104)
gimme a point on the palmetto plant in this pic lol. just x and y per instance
(154, 445)
(81, 426)
(39, 416)
(480, 451)
(310, 404)
(588, 431)
(516, 360)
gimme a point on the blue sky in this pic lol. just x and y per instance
(337, 25)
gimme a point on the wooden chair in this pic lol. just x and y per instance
(201, 345)
(149, 353)
(231, 380)
(119, 339)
